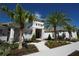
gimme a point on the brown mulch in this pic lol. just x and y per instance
(75, 53)
(35, 41)
(24, 51)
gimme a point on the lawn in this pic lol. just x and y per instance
(56, 43)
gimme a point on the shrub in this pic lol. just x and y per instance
(1, 41)
(14, 46)
(25, 44)
(49, 37)
(33, 38)
(24, 51)
(74, 40)
(4, 50)
(56, 43)
(4, 44)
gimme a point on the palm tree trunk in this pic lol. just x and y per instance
(20, 39)
(55, 32)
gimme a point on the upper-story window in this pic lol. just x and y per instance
(39, 24)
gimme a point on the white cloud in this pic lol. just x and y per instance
(38, 15)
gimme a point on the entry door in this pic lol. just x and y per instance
(38, 33)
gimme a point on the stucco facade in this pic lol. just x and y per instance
(37, 29)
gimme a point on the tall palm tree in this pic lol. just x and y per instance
(57, 19)
(19, 16)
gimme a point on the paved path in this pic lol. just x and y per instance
(59, 51)
(41, 46)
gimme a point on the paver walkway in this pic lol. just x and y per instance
(59, 51)
(41, 46)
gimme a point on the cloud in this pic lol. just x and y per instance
(38, 15)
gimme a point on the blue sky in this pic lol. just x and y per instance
(42, 10)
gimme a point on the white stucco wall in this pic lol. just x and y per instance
(60, 33)
(66, 35)
(3, 38)
(11, 38)
(36, 25)
(74, 35)
(45, 35)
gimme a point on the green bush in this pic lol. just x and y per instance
(56, 43)
(74, 40)
(14, 46)
(4, 50)
(1, 41)
(24, 51)
(4, 44)
(49, 37)
(33, 38)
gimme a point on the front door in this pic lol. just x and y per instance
(38, 33)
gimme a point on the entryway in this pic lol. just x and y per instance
(38, 33)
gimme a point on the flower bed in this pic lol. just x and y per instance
(56, 43)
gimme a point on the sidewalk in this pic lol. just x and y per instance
(59, 51)
(41, 46)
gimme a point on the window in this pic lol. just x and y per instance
(39, 24)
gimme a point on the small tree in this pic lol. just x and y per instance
(49, 37)
(33, 38)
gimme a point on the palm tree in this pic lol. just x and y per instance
(19, 16)
(70, 28)
(57, 19)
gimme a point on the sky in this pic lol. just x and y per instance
(42, 10)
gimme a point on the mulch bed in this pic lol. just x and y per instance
(75, 53)
(55, 44)
(35, 41)
(24, 51)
